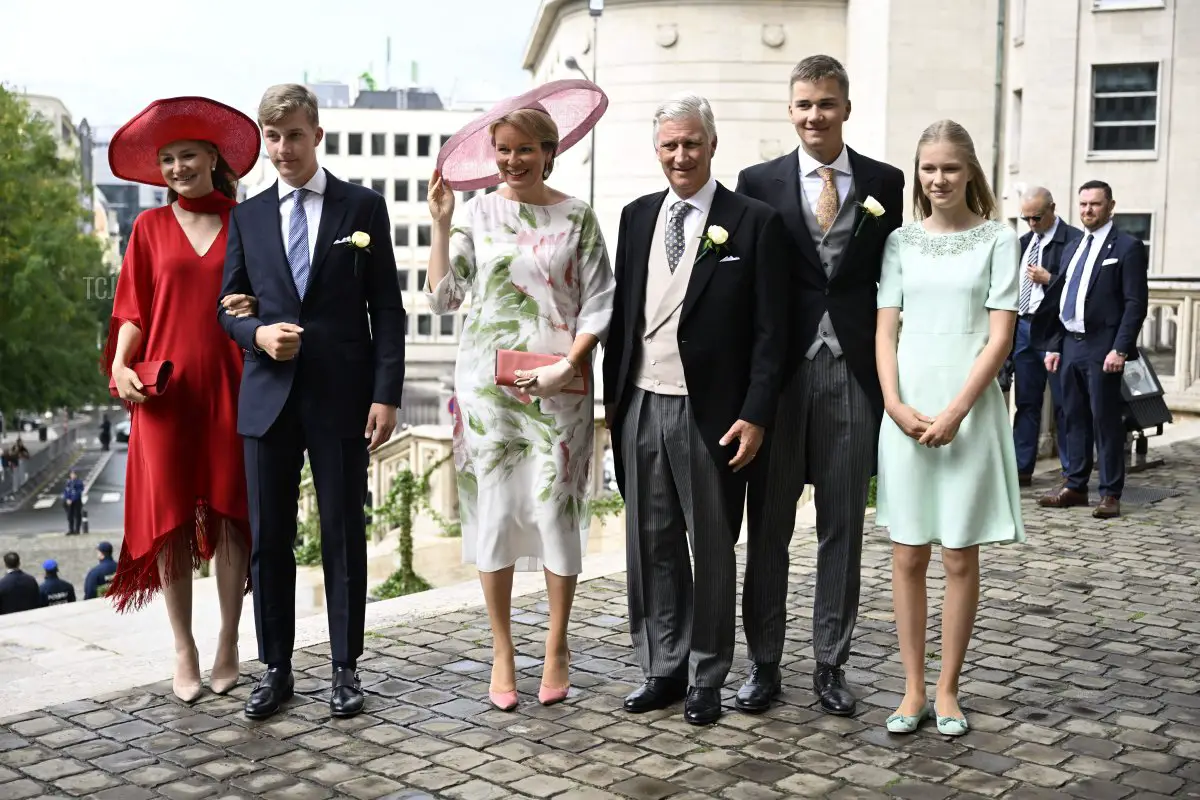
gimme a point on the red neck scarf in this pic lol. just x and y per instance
(212, 203)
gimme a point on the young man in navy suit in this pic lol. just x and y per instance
(1045, 251)
(324, 373)
(1089, 323)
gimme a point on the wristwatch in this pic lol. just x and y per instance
(1122, 355)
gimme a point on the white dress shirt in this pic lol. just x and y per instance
(1039, 291)
(701, 201)
(1098, 237)
(313, 204)
(812, 183)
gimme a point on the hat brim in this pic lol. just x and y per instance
(133, 150)
(468, 160)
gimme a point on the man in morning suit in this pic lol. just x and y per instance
(1089, 323)
(1045, 250)
(691, 381)
(831, 405)
(324, 373)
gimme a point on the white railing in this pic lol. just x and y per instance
(1170, 338)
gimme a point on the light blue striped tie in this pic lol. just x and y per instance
(298, 257)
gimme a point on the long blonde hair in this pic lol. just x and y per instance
(979, 194)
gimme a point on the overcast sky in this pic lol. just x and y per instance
(108, 60)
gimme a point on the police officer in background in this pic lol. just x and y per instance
(55, 591)
(73, 500)
(99, 576)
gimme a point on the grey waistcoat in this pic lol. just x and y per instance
(829, 247)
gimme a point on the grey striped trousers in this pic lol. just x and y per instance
(676, 494)
(825, 430)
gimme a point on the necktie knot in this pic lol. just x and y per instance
(826, 173)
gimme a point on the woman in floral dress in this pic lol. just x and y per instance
(533, 263)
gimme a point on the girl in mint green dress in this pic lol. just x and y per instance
(947, 466)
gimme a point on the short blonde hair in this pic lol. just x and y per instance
(284, 98)
(979, 193)
(536, 124)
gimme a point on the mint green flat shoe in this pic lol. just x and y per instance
(952, 726)
(903, 723)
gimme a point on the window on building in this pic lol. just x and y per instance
(490, 189)
(402, 279)
(407, 322)
(447, 325)
(354, 144)
(423, 141)
(445, 138)
(400, 235)
(1018, 21)
(421, 275)
(400, 144)
(423, 236)
(1124, 106)
(400, 190)
(1138, 226)
(467, 195)
(422, 191)
(379, 186)
(355, 181)
(1122, 5)
(332, 143)
(1014, 131)
(379, 144)
(424, 324)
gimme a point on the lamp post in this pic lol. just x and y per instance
(595, 8)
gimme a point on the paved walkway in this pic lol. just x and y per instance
(1083, 681)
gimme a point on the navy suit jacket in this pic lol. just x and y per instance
(1115, 305)
(352, 348)
(1056, 253)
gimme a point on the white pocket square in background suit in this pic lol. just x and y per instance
(729, 258)
(1108, 261)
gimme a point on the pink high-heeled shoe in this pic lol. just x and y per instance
(505, 701)
(548, 696)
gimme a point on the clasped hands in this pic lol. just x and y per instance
(546, 381)
(928, 431)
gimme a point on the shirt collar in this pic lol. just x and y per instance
(809, 165)
(701, 200)
(1100, 234)
(1048, 235)
(316, 184)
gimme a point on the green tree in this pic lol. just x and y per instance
(49, 268)
(406, 497)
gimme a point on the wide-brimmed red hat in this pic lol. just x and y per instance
(468, 160)
(133, 150)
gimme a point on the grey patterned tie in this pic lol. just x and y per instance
(298, 258)
(1035, 255)
(675, 242)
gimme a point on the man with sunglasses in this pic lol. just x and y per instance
(1045, 250)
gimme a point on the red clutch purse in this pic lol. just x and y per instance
(154, 375)
(509, 361)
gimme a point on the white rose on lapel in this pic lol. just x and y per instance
(872, 208)
(714, 239)
(359, 240)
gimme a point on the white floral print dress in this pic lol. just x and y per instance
(537, 276)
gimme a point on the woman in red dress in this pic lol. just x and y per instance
(185, 478)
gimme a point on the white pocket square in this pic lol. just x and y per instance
(733, 258)
(1108, 261)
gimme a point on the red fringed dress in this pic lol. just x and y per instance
(185, 471)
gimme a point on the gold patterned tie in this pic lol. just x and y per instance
(827, 202)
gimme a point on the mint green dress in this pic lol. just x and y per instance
(964, 493)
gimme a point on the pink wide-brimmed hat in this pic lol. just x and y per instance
(468, 160)
(133, 150)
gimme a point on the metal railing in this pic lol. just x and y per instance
(15, 478)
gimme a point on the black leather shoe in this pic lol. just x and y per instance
(763, 686)
(654, 694)
(275, 688)
(829, 683)
(703, 705)
(346, 699)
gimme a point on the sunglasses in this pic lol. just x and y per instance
(1037, 218)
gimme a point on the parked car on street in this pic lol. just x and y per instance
(121, 432)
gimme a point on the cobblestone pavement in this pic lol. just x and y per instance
(1083, 681)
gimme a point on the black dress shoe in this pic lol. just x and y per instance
(829, 683)
(275, 688)
(346, 699)
(763, 686)
(654, 694)
(703, 705)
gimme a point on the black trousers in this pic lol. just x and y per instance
(339, 469)
(75, 516)
(1092, 409)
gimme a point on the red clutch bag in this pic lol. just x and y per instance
(154, 375)
(509, 361)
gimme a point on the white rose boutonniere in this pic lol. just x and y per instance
(871, 208)
(714, 239)
(359, 240)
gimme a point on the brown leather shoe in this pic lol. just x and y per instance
(1109, 508)
(1063, 498)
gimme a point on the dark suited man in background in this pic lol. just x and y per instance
(828, 422)
(691, 381)
(18, 589)
(1090, 323)
(1045, 249)
(324, 374)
